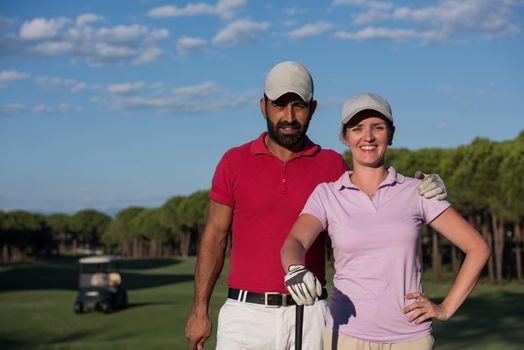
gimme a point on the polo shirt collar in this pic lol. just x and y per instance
(259, 147)
(393, 177)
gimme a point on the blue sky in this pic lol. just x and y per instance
(108, 104)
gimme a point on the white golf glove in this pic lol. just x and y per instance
(431, 186)
(302, 284)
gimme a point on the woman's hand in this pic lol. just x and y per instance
(424, 309)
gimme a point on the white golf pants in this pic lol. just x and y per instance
(247, 326)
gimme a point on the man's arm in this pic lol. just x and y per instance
(208, 267)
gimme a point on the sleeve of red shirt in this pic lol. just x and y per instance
(222, 183)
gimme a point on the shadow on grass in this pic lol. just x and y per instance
(154, 303)
(62, 274)
(62, 340)
(483, 319)
(144, 264)
(10, 344)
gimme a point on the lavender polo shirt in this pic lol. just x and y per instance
(375, 245)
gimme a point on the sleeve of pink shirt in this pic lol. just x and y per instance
(222, 183)
(314, 205)
(431, 208)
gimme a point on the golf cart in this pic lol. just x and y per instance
(100, 284)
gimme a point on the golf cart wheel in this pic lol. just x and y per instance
(79, 307)
(105, 307)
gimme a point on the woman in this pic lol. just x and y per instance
(374, 217)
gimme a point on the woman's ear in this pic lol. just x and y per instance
(346, 142)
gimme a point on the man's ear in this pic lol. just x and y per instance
(312, 107)
(392, 131)
(263, 107)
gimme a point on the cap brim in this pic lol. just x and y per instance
(348, 117)
(274, 95)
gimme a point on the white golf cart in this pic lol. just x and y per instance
(100, 284)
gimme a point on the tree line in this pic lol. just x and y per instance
(137, 232)
(483, 181)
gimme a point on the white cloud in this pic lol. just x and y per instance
(376, 5)
(240, 32)
(43, 109)
(349, 2)
(188, 44)
(188, 10)
(310, 30)
(444, 125)
(87, 18)
(229, 8)
(126, 88)
(68, 108)
(206, 88)
(9, 76)
(122, 33)
(144, 102)
(489, 18)
(50, 48)
(84, 34)
(107, 51)
(173, 105)
(377, 33)
(446, 21)
(136, 44)
(148, 54)
(158, 34)
(61, 108)
(41, 28)
(293, 11)
(79, 87)
(72, 85)
(371, 16)
(207, 97)
(224, 8)
(12, 108)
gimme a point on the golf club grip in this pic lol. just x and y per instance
(299, 319)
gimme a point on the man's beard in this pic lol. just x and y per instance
(287, 140)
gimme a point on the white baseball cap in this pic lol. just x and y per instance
(289, 76)
(361, 102)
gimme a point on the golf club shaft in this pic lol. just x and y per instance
(299, 319)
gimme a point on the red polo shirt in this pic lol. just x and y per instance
(267, 195)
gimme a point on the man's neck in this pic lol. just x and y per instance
(281, 152)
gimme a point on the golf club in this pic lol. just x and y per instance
(299, 319)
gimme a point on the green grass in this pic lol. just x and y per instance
(36, 310)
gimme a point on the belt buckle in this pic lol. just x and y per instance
(272, 293)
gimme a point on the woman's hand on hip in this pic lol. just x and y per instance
(423, 309)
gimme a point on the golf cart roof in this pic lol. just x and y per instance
(99, 259)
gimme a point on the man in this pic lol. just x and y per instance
(258, 190)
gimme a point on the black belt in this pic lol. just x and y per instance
(269, 299)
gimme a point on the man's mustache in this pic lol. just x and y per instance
(294, 125)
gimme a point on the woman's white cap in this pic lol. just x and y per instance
(361, 102)
(289, 76)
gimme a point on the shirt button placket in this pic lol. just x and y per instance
(283, 181)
